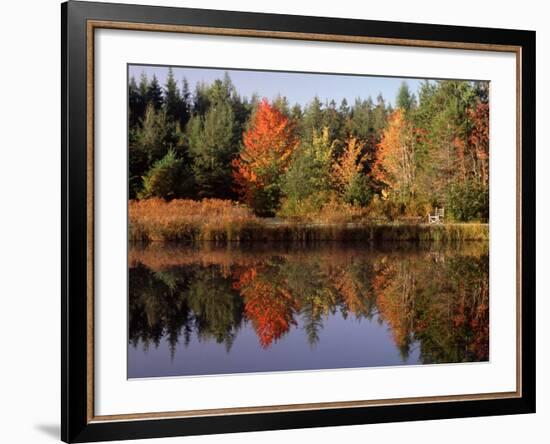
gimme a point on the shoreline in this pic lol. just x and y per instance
(284, 231)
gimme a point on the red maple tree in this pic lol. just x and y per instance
(267, 146)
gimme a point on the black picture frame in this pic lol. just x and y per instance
(76, 424)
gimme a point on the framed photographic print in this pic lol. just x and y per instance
(275, 221)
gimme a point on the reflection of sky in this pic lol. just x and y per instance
(343, 343)
(297, 87)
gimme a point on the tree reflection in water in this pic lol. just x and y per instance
(436, 298)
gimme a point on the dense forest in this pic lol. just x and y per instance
(280, 159)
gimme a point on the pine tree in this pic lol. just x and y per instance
(212, 148)
(175, 108)
(154, 94)
(135, 104)
(362, 119)
(405, 99)
(165, 178)
(309, 174)
(313, 119)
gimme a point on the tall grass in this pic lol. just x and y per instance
(189, 220)
(224, 221)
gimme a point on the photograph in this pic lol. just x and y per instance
(283, 221)
(278, 220)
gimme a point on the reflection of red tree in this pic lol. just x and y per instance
(268, 306)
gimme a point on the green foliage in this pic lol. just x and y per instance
(405, 99)
(149, 143)
(211, 148)
(312, 122)
(136, 104)
(468, 201)
(362, 119)
(154, 94)
(166, 178)
(202, 133)
(216, 305)
(266, 200)
(175, 104)
(138, 165)
(309, 172)
(359, 192)
(157, 135)
(307, 182)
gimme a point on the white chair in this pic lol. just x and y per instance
(438, 217)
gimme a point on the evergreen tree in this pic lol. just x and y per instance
(165, 179)
(143, 86)
(309, 175)
(157, 135)
(379, 117)
(176, 109)
(296, 116)
(333, 122)
(201, 101)
(313, 119)
(405, 99)
(344, 108)
(154, 94)
(152, 141)
(134, 103)
(212, 149)
(362, 119)
(186, 96)
(281, 103)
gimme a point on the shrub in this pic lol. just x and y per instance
(468, 201)
(165, 178)
(359, 191)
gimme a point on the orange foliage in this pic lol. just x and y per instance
(267, 147)
(460, 148)
(270, 307)
(350, 164)
(157, 219)
(395, 163)
(349, 291)
(479, 139)
(393, 287)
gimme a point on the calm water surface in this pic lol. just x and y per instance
(207, 310)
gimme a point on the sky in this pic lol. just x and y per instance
(298, 88)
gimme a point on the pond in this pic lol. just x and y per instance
(208, 310)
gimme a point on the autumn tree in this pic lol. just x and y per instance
(452, 155)
(395, 164)
(267, 148)
(348, 174)
(478, 141)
